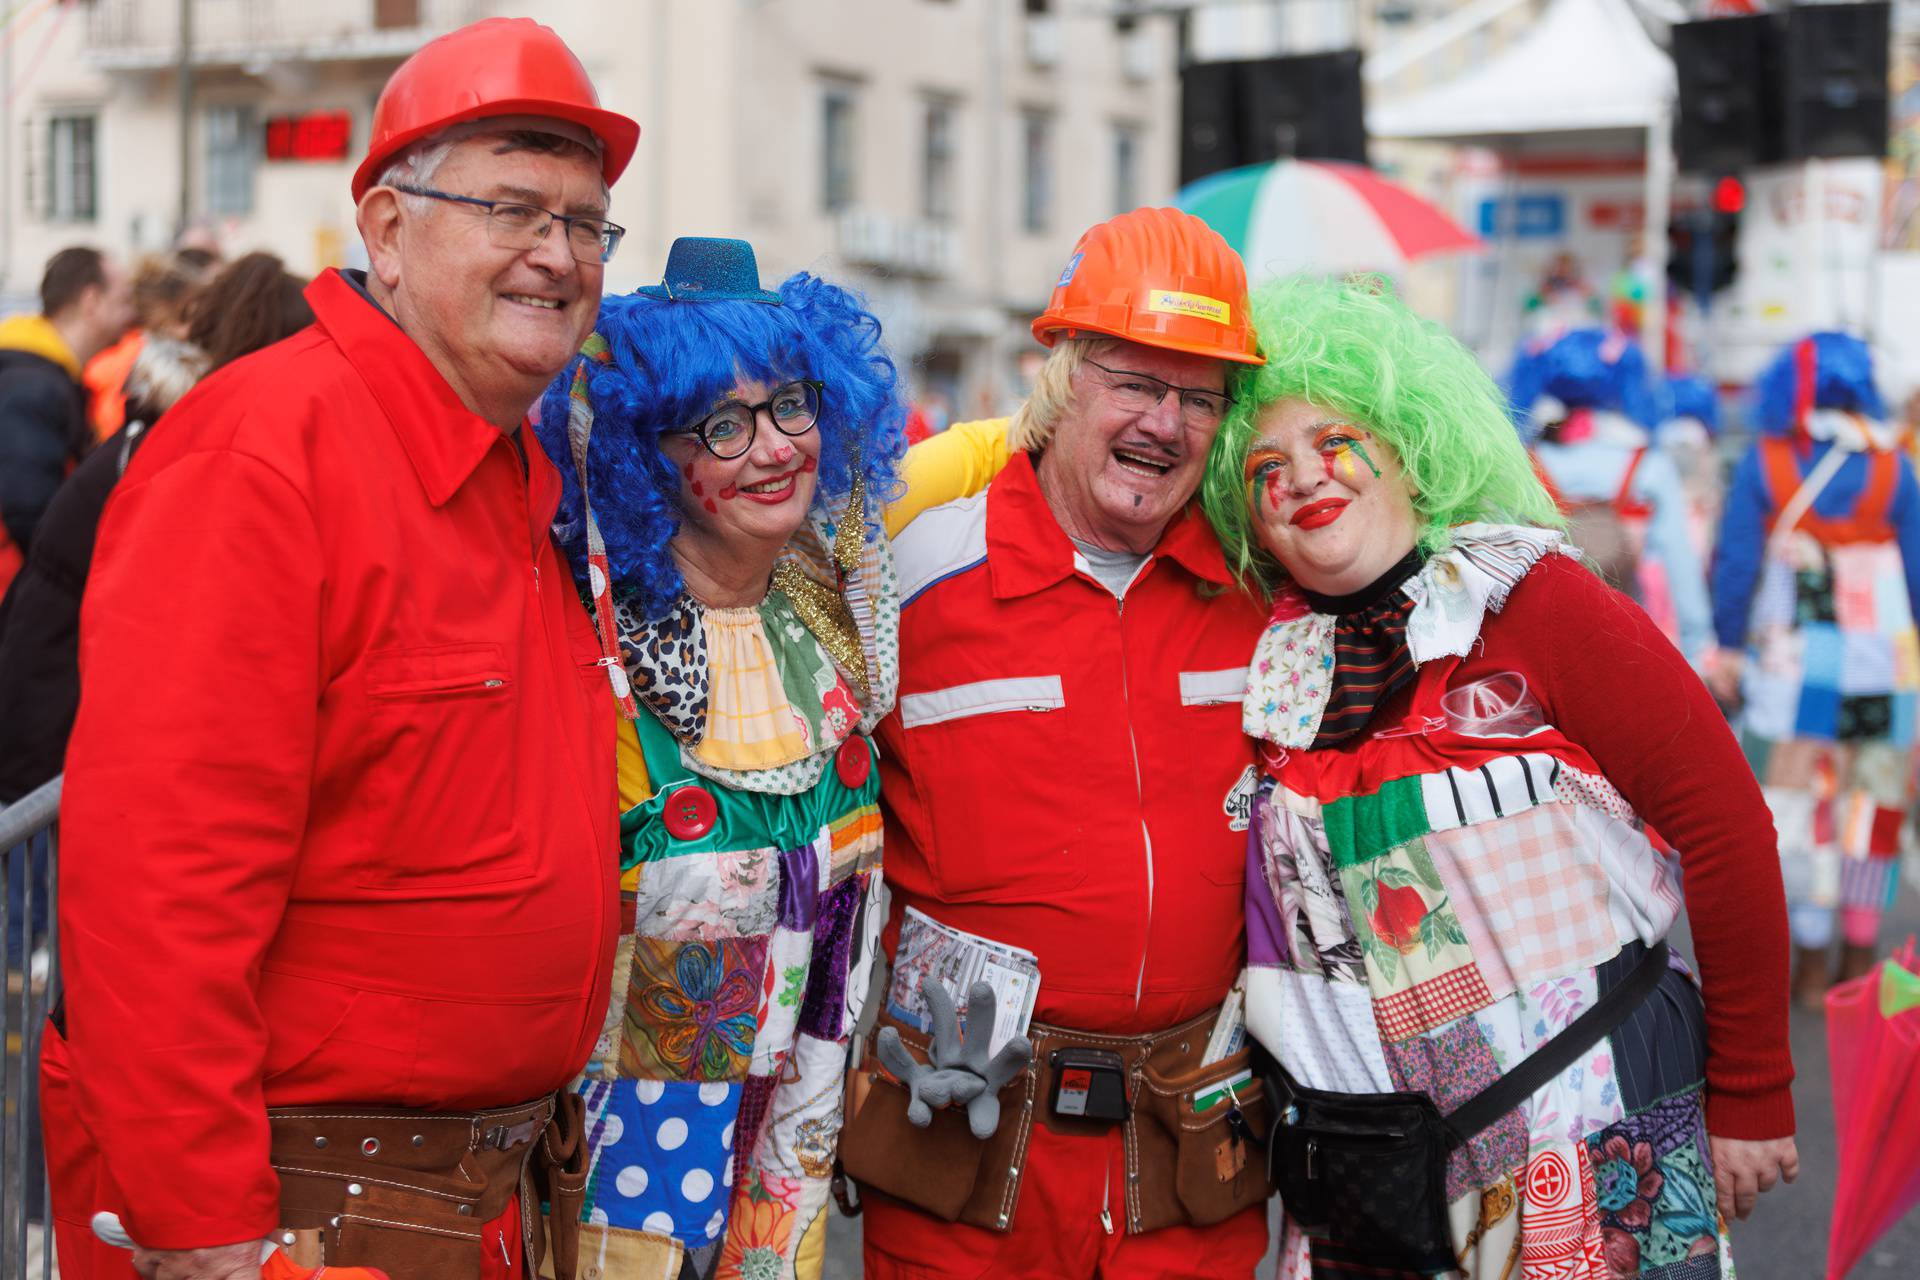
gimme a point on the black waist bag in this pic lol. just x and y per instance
(1368, 1171)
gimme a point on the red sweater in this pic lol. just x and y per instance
(1608, 679)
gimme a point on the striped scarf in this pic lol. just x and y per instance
(1370, 655)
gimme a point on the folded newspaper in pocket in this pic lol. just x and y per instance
(929, 949)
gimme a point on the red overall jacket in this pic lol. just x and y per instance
(1058, 772)
(339, 819)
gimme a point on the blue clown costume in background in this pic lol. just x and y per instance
(750, 836)
(1817, 572)
(1585, 401)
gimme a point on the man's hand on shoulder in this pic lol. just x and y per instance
(216, 1262)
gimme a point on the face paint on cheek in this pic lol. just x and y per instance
(729, 493)
(810, 466)
(1361, 449)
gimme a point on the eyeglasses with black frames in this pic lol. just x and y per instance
(1140, 392)
(794, 408)
(512, 225)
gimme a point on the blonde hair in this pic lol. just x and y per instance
(1052, 395)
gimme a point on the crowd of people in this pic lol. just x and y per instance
(555, 785)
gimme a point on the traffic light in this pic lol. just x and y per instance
(1703, 245)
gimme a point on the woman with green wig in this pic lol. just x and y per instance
(1484, 1058)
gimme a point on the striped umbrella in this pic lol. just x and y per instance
(1320, 215)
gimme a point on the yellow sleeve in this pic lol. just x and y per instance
(630, 768)
(957, 463)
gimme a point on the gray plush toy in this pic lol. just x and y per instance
(961, 1072)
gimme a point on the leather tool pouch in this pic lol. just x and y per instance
(936, 1169)
(560, 1178)
(1184, 1166)
(1198, 1166)
(404, 1191)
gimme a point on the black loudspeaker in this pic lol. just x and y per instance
(1235, 113)
(1209, 119)
(1310, 106)
(1729, 73)
(1835, 89)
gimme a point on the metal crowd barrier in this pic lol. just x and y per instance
(29, 868)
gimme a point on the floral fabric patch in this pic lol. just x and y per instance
(1653, 1181)
(691, 1008)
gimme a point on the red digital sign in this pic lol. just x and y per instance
(316, 135)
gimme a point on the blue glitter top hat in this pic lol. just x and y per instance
(711, 269)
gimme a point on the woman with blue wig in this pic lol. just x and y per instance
(1813, 587)
(1587, 403)
(726, 450)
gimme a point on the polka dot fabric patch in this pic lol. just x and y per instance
(662, 1156)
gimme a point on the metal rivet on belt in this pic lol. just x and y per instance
(334, 1221)
(319, 1142)
(369, 1146)
(466, 1210)
(419, 1139)
(286, 1237)
(1003, 1219)
(354, 1188)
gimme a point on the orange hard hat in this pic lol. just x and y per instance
(494, 67)
(1159, 277)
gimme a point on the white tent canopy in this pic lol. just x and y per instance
(1587, 66)
(1586, 75)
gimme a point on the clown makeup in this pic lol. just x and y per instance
(736, 514)
(1329, 501)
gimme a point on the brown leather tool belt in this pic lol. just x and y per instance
(408, 1191)
(1183, 1166)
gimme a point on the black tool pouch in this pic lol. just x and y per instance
(1369, 1170)
(1366, 1169)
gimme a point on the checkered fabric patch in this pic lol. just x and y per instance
(1431, 1004)
(1541, 896)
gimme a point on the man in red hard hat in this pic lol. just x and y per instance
(1065, 775)
(337, 904)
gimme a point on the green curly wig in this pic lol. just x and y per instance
(1355, 349)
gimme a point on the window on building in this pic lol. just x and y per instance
(72, 168)
(937, 162)
(233, 149)
(838, 103)
(1036, 146)
(1126, 167)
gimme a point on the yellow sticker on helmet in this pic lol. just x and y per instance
(1189, 304)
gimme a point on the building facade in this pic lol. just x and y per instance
(939, 155)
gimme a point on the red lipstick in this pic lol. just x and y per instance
(1318, 515)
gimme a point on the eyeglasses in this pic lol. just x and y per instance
(728, 432)
(525, 226)
(1139, 392)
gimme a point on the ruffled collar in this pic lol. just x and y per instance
(1445, 601)
(760, 698)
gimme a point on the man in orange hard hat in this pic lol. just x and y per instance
(337, 902)
(1065, 775)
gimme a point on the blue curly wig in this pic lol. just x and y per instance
(1583, 369)
(669, 363)
(1842, 379)
(1691, 396)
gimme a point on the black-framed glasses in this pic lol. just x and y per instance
(512, 225)
(728, 431)
(1139, 392)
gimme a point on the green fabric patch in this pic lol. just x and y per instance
(1361, 828)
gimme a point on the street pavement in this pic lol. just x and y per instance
(1786, 1239)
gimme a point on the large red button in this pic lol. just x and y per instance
(854, 762)
(689, 812)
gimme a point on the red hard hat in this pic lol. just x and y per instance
(494, 67)
(1159, 277)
